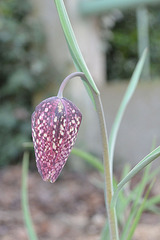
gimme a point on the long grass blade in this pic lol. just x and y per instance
(152, 202)
(138, 193)
(139, 213)
(105, 232)
(128, 94)
(143, 163)
(72, 42)
(89, 158)
(24, 198)
(135, 196)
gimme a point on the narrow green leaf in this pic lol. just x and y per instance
(143, 163)
(135, 197)
(150, 204)
(105, 232)
(24, 198)
(78, 67)
(124, 199)
(95, 162)
(121, 204)
(153, 201)
(28, 144)
(128, 94)
(72, 42)
(154, 173)
(154, 209)
(139, 213)
(151, 175)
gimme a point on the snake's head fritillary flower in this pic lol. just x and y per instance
(55, 124)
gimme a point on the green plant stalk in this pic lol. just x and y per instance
(108, 179)
(79, 61)
(107, 174)
(24, 198)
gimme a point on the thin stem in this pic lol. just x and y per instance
(107, 171)
(93, 91)
(24, 194)
(65, 81)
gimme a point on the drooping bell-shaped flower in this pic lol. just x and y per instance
(55, 124)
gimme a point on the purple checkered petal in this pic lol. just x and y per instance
(55, 124)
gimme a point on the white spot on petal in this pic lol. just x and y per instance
(54, 146)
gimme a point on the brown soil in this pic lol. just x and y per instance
(70, 209)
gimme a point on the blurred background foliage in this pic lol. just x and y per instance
(122, 52)
(24, 69)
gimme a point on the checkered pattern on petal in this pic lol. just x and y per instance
(55, 125)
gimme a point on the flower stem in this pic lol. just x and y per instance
(107, 173)
(93, 93)
(65, 81)
(108, 191)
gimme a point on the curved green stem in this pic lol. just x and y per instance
(107, 173)
(65, 81)
(91, 88)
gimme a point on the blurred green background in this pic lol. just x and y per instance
(25, 68)
(122, 53)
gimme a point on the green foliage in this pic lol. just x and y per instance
(127, 96)
(23, 71)
(123, 51)
(93, 161)
(75, 51)
(154, 19)
(122, 55)
(135, 200)
(142, 164)
(132, 201)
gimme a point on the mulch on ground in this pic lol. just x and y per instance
(70, 209)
